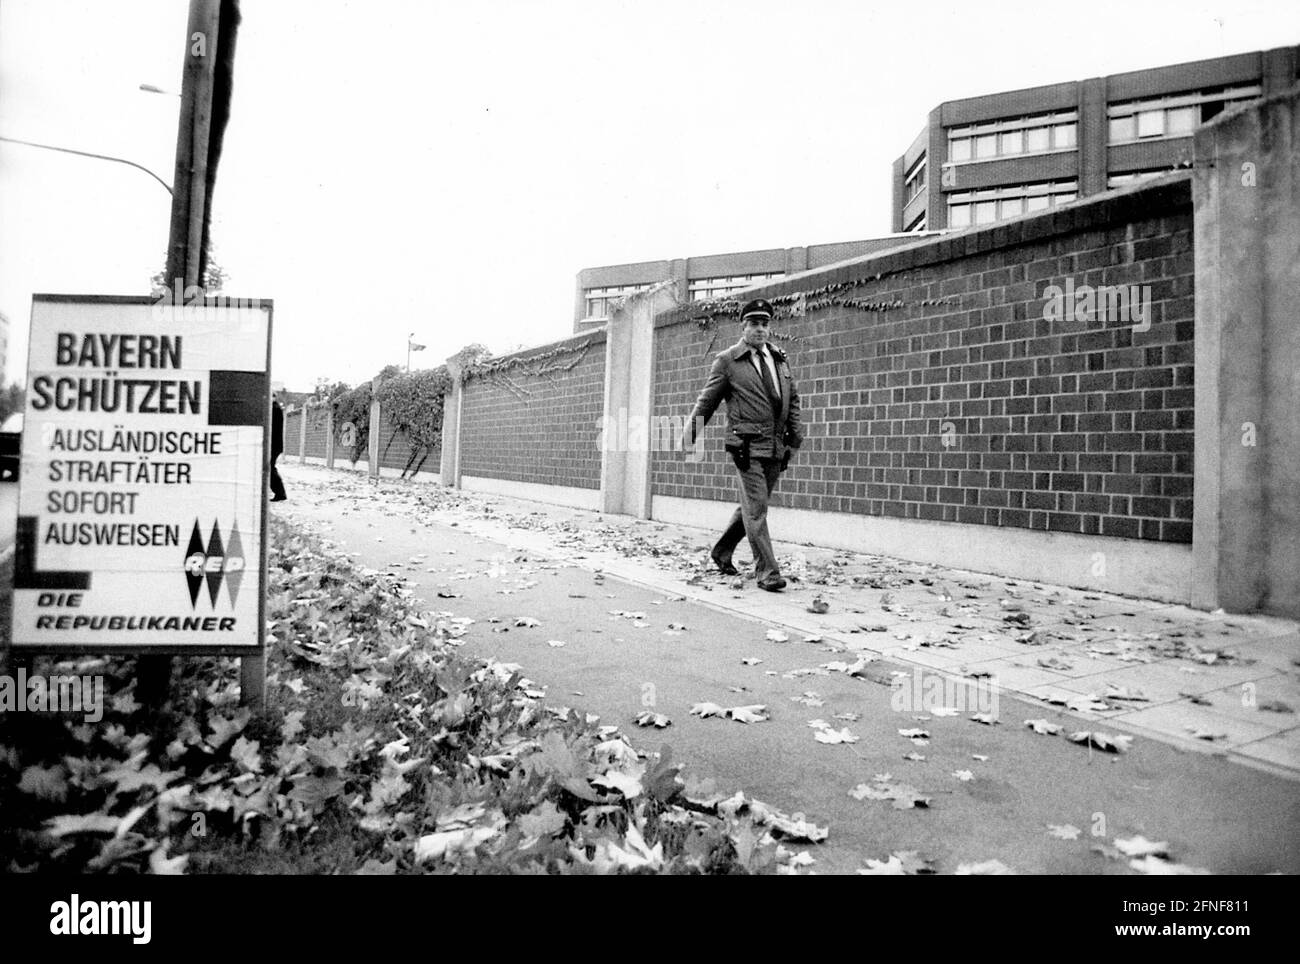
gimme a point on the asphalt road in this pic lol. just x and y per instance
(1214, 814)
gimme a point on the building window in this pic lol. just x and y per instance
(601, 300)
(997, 204)
(1012, 137)
(918, 223)
(915, 182)
(702, 289)
(1174, 116)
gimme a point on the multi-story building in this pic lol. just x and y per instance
(709, 276)
(984, 159)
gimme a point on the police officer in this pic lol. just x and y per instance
(763, 433)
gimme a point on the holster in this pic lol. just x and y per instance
(739, 449)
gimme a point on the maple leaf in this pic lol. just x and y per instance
(985, 867)
(905, 797)
(45, 783)
(244, 754)
(545, 821)
(1158, 866)
(556, 643)
(1205, 733)
(834, 736)
(751, 661)
(223, 728)
(1140, 846)
(819, 606)
(776, 636)
(292, 725)
(942, 711)
(1063, 831)
(754, 713)
(988, 719)
(161, 865)
(893, 867)
(914, 757)
(650, 718)
(527, 622)
(1102, 741)
(626, 784)
(1043, 727)
(128, 778)
(963, 775)
(915, 733)
(437, 846)
(1088, 704)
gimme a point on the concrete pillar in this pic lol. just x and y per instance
(630, 433)
(302, 436)
(449, 466)
(329, 435)
(373, 454)
(1246, 194)
(679, 272)
(1092, 136)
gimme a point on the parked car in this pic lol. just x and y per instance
(11, 446)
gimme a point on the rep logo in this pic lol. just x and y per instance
(218, 562)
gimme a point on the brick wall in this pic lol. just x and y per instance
(1070, 425)
(316, 422)
(395, 450)
(539, 419)
(292, 426)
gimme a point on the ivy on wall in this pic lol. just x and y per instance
(546, 364)
(353, 406)
(413, 403)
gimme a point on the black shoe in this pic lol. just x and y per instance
(278, 498)
(724, 566)
(772, 584)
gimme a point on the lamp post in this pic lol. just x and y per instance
(101, 157)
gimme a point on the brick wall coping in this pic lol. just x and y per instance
(1169, 192)
(595, 337)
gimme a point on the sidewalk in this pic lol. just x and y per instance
(1221, 684)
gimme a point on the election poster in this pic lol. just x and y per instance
(141, 504)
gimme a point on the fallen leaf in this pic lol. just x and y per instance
(986, 867)
(1205, 733)
(751, 661)
(1063, 831)
(1102, 741)
(988, 719)
(963, 775)
(1140, 846)
(835, 736)
(1043, 727)
(914, 733)
(650, 718)
(555, 643)
(776, 636)
(1157, 866)
(161, 865)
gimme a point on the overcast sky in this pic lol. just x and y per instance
(447, 168)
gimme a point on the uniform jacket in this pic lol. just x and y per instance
(750, 413)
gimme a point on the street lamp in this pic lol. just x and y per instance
(102, 157)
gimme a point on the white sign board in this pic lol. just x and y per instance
(141, 504)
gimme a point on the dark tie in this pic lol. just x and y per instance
(772, 392)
